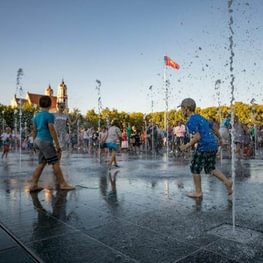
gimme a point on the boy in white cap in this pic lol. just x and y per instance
(202, 134)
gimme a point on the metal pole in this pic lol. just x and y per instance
(254, 112)
(165, 83)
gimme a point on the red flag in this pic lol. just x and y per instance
(171, 63)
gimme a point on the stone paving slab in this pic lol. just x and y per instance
(11, 251)
(138, 213)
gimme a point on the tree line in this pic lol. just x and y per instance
(247, 113)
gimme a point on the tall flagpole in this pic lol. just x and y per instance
(167, 62)
(165, 86)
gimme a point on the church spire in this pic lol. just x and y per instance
(62, 95)
(49, 91)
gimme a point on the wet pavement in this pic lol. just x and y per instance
(136, 213)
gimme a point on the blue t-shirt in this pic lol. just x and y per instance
(208, 142)
(41, 121)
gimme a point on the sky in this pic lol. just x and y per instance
(122, 43)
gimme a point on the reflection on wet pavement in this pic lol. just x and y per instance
(136, 213)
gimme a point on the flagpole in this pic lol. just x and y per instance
(165, 86)
(167, 62)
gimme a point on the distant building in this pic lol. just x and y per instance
(33, 98)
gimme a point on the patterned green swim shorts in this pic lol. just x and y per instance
(206, 160)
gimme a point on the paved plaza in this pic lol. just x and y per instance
(136, 213)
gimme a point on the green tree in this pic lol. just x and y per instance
(92, 118)
(136, 119)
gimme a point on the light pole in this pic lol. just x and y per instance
(254, 112)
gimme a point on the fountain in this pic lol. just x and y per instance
(217, 90)
(232, 79)
(19, 90)
(99, 110)
(238, 234)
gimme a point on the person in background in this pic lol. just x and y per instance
(239, 135)
(6, 141)
(114, 136)
(129, 132)
(224, 130)
(179, 134)
(124, 140)
(86, 139)
(135, 140)
(62, 123)
(103, 134)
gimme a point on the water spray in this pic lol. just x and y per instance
(19, 89)
(232, 79)
(99, 109)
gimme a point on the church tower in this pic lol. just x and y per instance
(62, 94)
(49, 91)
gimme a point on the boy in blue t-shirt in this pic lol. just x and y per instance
(44, 135)
(204, 135)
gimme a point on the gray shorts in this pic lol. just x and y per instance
(46, 152)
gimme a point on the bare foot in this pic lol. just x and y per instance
(195, 195)
(35, 188)
(229, 185)
(66, 187)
